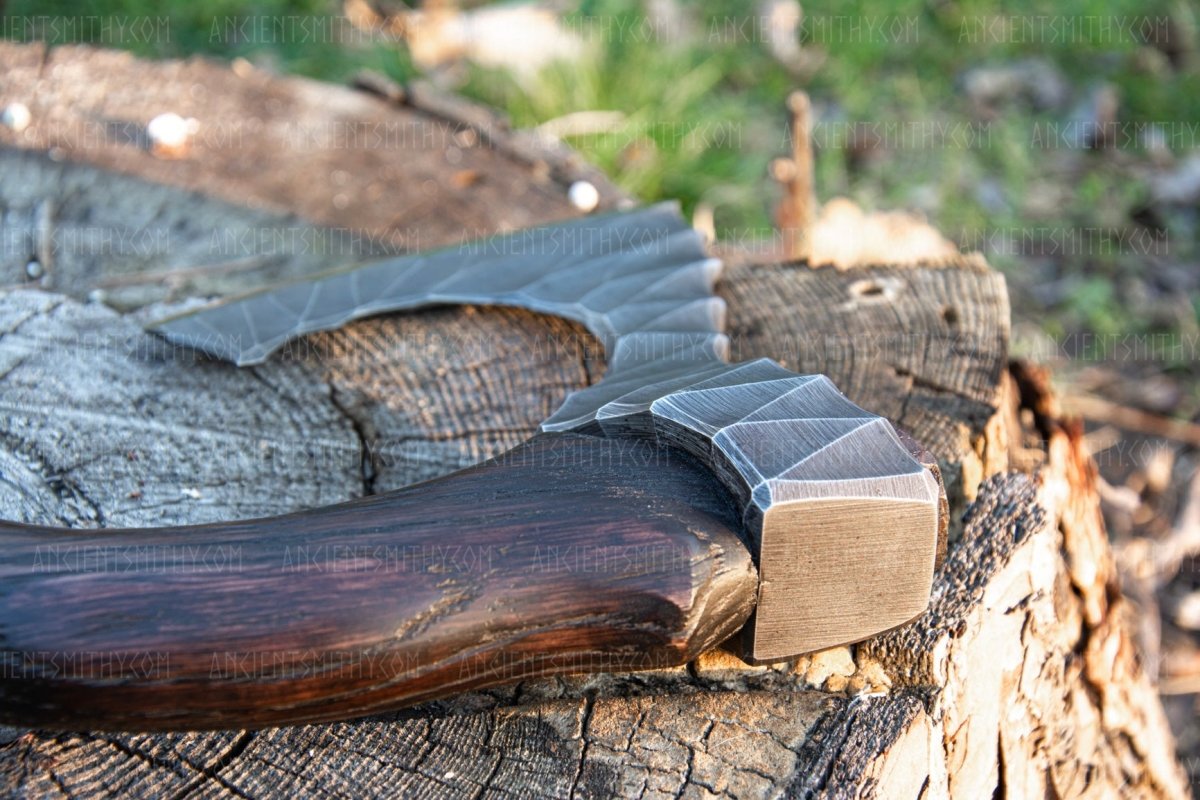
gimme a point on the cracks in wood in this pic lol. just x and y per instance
(589, 703)
(301, 775)
(255, 374)
(47, 766)
(57, 781)
(211, 772)
(464, 433)
(129, 750)
(690, 766)
(486, 783)
(1001, 790)
(77, 490)
(821, 749)
(634, 728)
(71, 493)
(15, 329)
(12, 366)
(921, 382)
(361, 430)
(426, 742)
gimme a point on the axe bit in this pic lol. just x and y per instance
(680, 503)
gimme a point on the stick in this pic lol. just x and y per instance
(1132, 419)
(797, 212)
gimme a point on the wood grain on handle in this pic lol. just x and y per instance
(568, 554)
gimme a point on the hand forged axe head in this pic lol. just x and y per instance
(843, 519)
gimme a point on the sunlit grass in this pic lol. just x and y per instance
(700, 119)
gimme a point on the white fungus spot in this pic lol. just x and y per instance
(16, 116)
(170, 133)
(584, 196)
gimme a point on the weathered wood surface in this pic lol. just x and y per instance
(1020, 680)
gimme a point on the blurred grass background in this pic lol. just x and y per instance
(939, 107)
(999, 177)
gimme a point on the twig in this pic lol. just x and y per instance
(582, 123)
(1184, 539)
(797, 212)
(1184, 684)
(182, 273)
(44, 252)
(702, 220)
(1132, 419)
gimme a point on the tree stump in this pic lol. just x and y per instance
(1021, 678)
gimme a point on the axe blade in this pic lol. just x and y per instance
(843, 520)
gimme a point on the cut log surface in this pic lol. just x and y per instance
(1021, 679)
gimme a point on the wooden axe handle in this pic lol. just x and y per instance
(570, 553)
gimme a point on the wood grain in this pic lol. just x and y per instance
(568, 554)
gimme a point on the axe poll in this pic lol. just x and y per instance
(680, 503)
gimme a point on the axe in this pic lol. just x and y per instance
(681, 503)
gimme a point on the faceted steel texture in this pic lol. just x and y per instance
(791, 448)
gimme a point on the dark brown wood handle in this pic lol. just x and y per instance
(568, 554)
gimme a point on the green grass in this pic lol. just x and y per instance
(701, 120)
